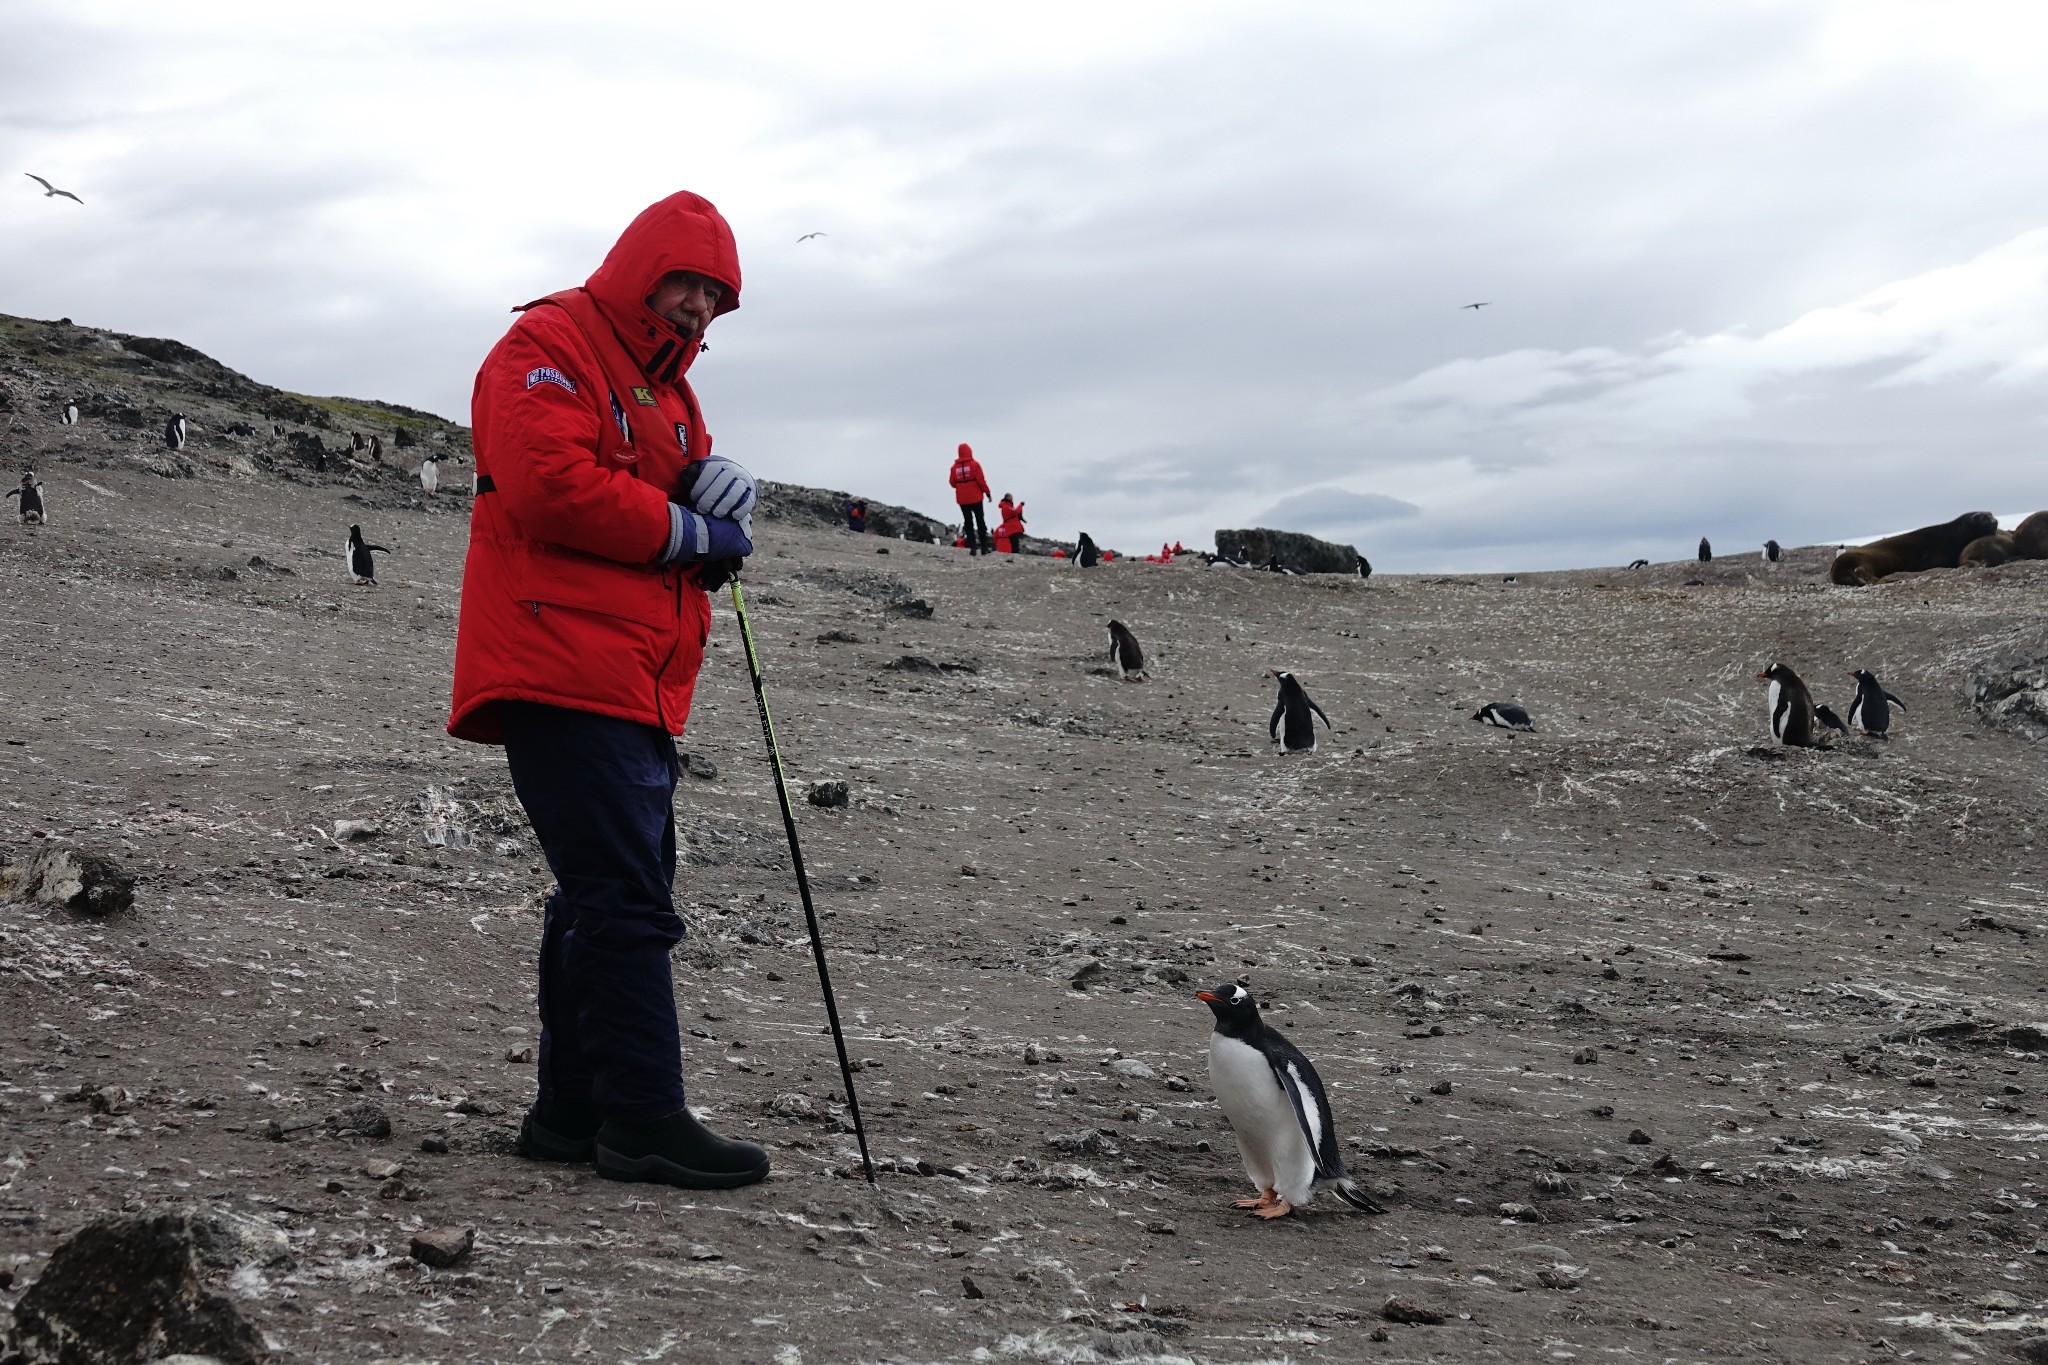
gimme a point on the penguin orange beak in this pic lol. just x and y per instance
(1206, 997)
(1763, 677)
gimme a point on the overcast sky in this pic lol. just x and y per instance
(1764, 269)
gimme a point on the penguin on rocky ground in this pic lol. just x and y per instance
(377, 448)
(1869, 712)
(33, 513)
(174, 432)
(357, 438)
(1792, 717)
(70, 417)
(1276, 1106)
(1293, 707)
(1706, 551)
(1274, 565)
(1772, 551)
(1639, 564)
(430, 474)
(1125, 653)
(1504, 714)
(1364, 567)
(1085, 552)
(1830, 719)
(277, 428)
(362, 569)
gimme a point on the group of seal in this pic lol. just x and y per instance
(1971, 539)
(1795, 717)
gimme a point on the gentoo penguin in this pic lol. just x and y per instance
(1639, 564)
(1364, 567)
(1792, 715)
(1293, 706)
(362, 569)
(1771, 552)
(1706, 551)
(1276, 1106)
(31, 495)
(70, 417)
(1504, 714)
(174, 431)
(1830, 719)
(277, 428)
(1868, 711)
(377, 450)
(430, 474)
(357, 437)
(1086, 552)
(1125, 654)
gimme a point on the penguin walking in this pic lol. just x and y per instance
(1364, 567)
(1086, 553)
(1869, 711)
(1792, 716)
(70, 416)
(1771, 551)
(33, 513)
(1276, 1106)
(174, 432)
(1506, 715)
(1706, 551)
(1830, 719)
(430, 474)
(362, 569)
(1639, 564)
(1125, 653)
(1293, 706)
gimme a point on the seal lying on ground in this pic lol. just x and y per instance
(1985, 551)
(1930, 547)
(2030, 538)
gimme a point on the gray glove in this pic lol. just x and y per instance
(720, 488)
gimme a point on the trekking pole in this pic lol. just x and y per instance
(803, 882)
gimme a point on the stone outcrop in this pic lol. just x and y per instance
(1303, 553)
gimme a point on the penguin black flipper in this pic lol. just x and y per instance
(1893, 700)
(1297, 1078)
(1273, 726)
(1319, 711)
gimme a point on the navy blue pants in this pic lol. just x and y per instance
(599, 792)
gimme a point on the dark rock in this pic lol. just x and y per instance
(128, 1289)
(1259, 547)
(915, 608)
(70, 878)
(696, 765)
(840, 637)
(970, 1289)
(442, 1247)
(1399, 1309)
(912, 663)
(1638, 1138)
(361, 1120)
(833, 793)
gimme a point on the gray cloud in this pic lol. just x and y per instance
(1328, 508)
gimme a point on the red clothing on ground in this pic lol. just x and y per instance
(583, 425)
(969, 485)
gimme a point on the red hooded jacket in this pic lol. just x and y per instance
(583, 425)
(969, 486)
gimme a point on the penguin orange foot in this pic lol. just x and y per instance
(1279, 1208)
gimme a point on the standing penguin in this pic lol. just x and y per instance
(430, 474)
(1275, 1103)
(362, 569)
(70, 417)
(1792, 717)
(1771, 551)
(1706, 551)
(377, 448)
(277, 428)
(31, 494)
(1294, 707)
(174, 432)
(1868, 712)
(1364, 567)
(1086, 552)
(357, 438)
(1504, 714)
(1125, 654)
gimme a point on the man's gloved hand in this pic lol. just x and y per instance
(719, 488)
(693, 538)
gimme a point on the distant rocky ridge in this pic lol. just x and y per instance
(1303, 553)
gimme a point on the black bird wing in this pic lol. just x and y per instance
(1317, 709)
(1273, 726)
(1892, 699)
(12, 493)
(1298, 1080)
(384, 548)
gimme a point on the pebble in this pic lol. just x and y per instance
(828, 794)
(442, 1247)
(1399, 1309)
(1132, 1067)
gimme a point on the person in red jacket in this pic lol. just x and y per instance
(601, 519)
(970, 490)
(1010, 529)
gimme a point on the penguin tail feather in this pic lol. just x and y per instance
(1351, 1193)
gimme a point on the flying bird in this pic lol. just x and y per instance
(1475, 306)
(51, 191)
(808, 235)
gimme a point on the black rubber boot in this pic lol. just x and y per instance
(559, 1130)
(677, 1150)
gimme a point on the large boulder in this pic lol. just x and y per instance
(69, 878)
(1291, 548)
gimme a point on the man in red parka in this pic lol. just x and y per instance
(600, 521)
(970, 490)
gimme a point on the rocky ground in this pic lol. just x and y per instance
(1660, 1043)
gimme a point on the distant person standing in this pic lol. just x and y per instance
(857, 517)
(1010, 529)
(970, 490)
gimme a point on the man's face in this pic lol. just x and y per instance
(688, 300)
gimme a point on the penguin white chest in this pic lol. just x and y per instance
(1777, 716)
(1269, 1137)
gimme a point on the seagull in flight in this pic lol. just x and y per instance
(51, 191)
(808, 235)
(1475, 306)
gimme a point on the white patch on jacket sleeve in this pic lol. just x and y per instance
(548, 374)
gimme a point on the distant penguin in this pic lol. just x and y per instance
(357, 437)
(1869, 712)
(1771, 552)
(430, 474)
(1125, 654)
(1086, 552)
(1504, 714)
(377, 450)
(174, 432)
(362, 569)
(1829, 719)
(277, 428)
(1792, 717)
(33, 513)
(1293, 707)
(1639, 564)
(1706, 551)
(1274, 565)
(1275, 1102)
(1364, 567)
(70, 417)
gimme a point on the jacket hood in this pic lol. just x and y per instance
(966, 452)
(681, 232)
